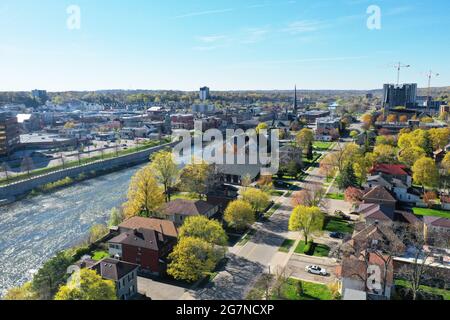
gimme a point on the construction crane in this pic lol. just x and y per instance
(430, 75)
(399, 67)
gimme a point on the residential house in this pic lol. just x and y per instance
(371, 236)
(380, 195)
(123, 274)
(165, 227)
(327, 129)
(398, 188)
(179, 210)
(379, 214)
(436, 226)
(393, 171)
(145, 242)
(358, 274)
(235, 173)
(222, 195)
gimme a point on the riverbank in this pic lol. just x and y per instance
(19, 189)
(35, 228)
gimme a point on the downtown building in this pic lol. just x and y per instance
(9, 134)
(404, 95)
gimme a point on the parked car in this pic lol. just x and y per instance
(337, 235)
(316, 270)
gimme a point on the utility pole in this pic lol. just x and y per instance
(399, 67)
(430, 75)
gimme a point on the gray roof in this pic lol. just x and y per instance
(113, 269)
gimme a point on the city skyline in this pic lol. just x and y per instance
(226, 45)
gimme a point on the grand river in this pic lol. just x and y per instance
(34, 229)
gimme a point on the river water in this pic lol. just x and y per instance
(35, 229)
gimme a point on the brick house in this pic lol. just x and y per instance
(145, 242)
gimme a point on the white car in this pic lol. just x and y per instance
(316, 270)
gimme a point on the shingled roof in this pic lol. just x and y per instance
(437, 222)
(142, 238)
(166, 227)
(187, 207)
(391, 169)
(113, 269)
(378, 193)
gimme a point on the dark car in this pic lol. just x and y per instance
(337, 235)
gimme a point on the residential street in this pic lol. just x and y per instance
(261, 254)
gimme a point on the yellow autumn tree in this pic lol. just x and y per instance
(239, 214)
(87, 285)
(145, 195)
(258, 199)
(425, 172)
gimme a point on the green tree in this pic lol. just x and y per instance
(203, 228)
(192, 259)
(166, 171)
(347, 178)
(239, 214)
(308, 220)
(116, 217)
(51, 275)
(145, 196)
(87, 285)
(258, 199)
(195, 178)
(310, 153)
(425, 172)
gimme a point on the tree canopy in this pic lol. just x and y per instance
(87, 285)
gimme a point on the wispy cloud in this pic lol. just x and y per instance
(254, 35)
(203, 13)
(303, 26)
(212, 38)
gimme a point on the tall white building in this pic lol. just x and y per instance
(204, 93)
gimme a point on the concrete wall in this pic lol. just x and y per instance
(22, 187)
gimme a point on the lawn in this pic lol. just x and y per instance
(427, 289)
(431, 212)
(311, 291)
(335, 196)
(184, 196)
(333, 224)
(276, 193)
(100, 255)
(322, 146)
(287, 245)
(312, 249)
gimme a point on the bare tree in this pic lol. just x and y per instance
(282, 276)
(309, 197)
(27, 165)
(420, 269)
(5, 168)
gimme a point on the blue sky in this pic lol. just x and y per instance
(233, 44)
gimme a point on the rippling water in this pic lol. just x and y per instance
(33, 230)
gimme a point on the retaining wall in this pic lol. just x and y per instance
(22, 187)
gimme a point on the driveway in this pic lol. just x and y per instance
(157, 290)
(297, 264)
